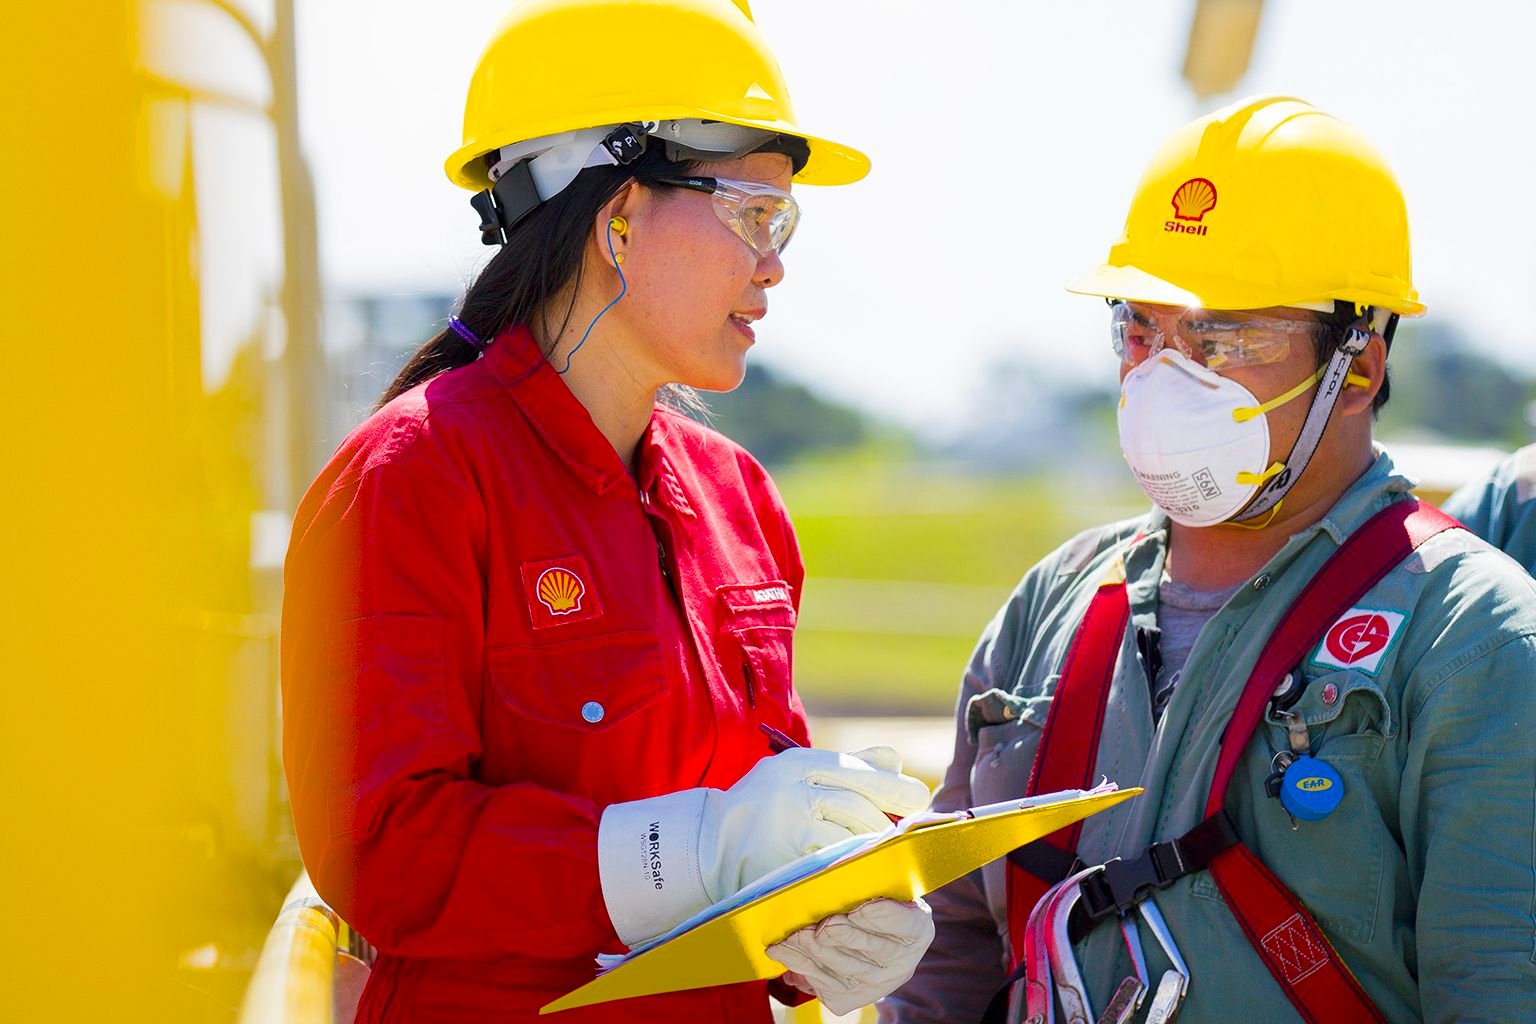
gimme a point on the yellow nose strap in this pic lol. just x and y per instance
(1247, 413)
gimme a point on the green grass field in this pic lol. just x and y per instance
(907, 562)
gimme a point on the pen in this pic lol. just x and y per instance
(778, 742)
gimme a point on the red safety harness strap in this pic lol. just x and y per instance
(1072, 731)
(1294, 949)
(1282, 932)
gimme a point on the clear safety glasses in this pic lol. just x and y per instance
(762, 216)
(1218, 339)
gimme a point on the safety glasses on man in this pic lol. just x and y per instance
(1218, 339)
(762, 216)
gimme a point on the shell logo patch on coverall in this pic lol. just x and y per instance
(1359, 639)
(559, 591)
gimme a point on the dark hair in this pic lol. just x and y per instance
(542, 254)
(1335, 326)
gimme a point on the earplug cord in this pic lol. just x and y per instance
(623, 289)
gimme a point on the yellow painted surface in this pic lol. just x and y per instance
(92, 704)
(146, 848)
(292, 983)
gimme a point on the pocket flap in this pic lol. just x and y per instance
(768, 603)
(589, 683)
(1328, 696)
(998, 707)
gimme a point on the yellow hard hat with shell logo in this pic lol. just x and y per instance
(1267, 202)
(680, 66)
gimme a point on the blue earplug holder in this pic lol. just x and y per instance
(1311, 790)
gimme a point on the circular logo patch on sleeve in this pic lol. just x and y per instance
(1359, 639)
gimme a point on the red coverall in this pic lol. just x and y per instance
(490, 633)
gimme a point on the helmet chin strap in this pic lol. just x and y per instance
(1329, 388)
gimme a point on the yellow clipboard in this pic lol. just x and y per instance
(730, 948)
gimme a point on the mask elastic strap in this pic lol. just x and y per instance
(1333, 377)
(1267, 519)
(1247, 413)
(1246, 479)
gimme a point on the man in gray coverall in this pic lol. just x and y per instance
(1255, 292)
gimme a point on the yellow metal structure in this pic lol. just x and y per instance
(559, 65)
(1266, 202)
(1221, 36)
(159, 310)
(294, 978)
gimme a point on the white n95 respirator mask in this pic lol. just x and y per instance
(1197, 442)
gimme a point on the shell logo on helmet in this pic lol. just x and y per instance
(1192, 201)
(560, 590)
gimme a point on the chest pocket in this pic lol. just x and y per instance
(549, 705)
(1006, 729)
(1348, 723)
(591, 684)
(756, 642)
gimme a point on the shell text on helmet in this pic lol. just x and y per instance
(1191, 202)
(561, 591)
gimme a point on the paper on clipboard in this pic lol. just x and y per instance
(726, 943)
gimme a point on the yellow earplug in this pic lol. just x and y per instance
(618, 225)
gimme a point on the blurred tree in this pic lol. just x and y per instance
(1027, 417)
(779, 420)
(1444, 385)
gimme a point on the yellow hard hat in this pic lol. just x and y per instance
(1267, 202)
(557, 66)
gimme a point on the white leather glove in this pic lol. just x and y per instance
(850, 960)
(664, 859)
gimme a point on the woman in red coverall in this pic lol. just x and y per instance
(534, 620)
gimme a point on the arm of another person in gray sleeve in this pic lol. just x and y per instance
(1501, 507)
(1469, 800)
(964, 965)
(1478, 504)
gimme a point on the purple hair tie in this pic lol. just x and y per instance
(465, 333)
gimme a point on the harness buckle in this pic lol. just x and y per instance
(1120, 885)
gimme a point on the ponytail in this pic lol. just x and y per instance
(446, 351)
